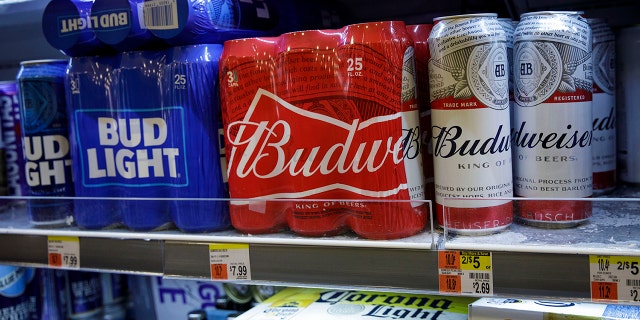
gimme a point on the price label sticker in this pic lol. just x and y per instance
(615, 278)
(229, 261)
(63, 252)
(465, 272)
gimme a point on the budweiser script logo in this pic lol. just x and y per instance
(277, 142)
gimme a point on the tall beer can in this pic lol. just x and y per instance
(43, 116)
(469, 93)
(12, 144)
(552, 134)
(604, 111)
(627, 103)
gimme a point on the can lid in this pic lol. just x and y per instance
(466, 16)
(43, 61)
(542, 13)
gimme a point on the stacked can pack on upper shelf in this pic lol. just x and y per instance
(93, 27)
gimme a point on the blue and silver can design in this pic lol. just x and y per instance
(52, 294)
(88, 86)
(120, 24)
(16, 300)
(84, 297)
(145, 129)
(43, 118)
(11, 141)
(184, 22)
(192, 76)
(68, 26)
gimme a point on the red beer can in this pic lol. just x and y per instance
(306, 67)
(247, 64)
(553, 118)
(469, 93)
(337, 123)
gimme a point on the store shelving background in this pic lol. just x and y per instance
(354, 262)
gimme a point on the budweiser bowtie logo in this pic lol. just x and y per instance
(280, 150)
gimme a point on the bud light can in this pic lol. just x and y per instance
(604, 107)
(469, 93)
(119, 24)
(627, 102)
(87, 78)
(67, 25)
(43, 117)
(553, 118)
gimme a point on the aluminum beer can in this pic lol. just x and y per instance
(604, 107)
(43, 117)
(552, 134)
(627, 103)
(84, 295)
(469, 93)
(12, 138)
(10, 177)
(419, 33)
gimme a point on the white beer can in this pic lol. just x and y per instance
(552, 134)
(469, 94)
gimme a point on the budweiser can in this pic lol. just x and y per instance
(252, 59)
(627, 103)
(553, 119)
(604, 111)
(419, 33)
(329, 118)
(469, 93)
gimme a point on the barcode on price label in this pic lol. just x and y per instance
(465, 272)
(63, 252)
(615, 278)
(229, 261)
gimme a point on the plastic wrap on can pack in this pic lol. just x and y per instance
(324, 114)
(146, 124)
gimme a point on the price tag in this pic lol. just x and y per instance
(465, 272)
(63, 252)
(615, 278)
(229, 261)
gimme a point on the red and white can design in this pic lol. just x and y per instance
(604, 107)
(330, 121)
(469, 93)
(553, 118)
(419, 33)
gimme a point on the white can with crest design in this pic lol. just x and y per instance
(552, 134)
(469, 94)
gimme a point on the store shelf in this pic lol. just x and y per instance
(526, 261)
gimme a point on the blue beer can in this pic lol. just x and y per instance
(88, 91)
(84, 299)
(43, 118)
(16, 299)
(52, 294)
(67, 25)
(191, 79)
(11, 142)
(119, 24)
(185, 22)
